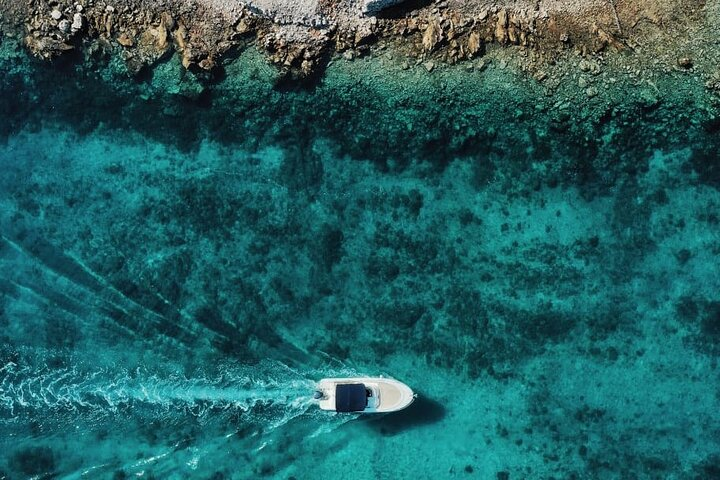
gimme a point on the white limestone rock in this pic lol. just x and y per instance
(77, 23)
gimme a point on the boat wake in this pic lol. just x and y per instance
(24, 389)
(187, 420)
(68, 376)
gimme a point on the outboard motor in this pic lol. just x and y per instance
(318, 394)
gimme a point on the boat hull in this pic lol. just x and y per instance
(384, 394)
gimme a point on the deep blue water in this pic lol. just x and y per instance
(182, 262)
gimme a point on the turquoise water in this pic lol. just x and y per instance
(182, 259)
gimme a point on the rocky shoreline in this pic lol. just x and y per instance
(301, 38)
(410, 82)
(517, 199)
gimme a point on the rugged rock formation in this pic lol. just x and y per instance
(300, 37)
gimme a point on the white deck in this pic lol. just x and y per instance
(389, 395)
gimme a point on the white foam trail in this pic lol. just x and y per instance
(238, 407)
(76, 390)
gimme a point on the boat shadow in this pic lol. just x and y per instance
(423, 411)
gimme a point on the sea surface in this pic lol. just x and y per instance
(182, 258)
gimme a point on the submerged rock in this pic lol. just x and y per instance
(33, 461)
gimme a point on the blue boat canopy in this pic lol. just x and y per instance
(351, 397)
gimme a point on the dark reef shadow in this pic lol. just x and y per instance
(423, 411)
(403, 9)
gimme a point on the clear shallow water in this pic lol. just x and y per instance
(168, 298)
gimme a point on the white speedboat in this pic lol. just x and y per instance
(363, 395)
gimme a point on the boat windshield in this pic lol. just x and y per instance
(350, 397)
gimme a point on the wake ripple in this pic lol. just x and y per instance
(26, 390)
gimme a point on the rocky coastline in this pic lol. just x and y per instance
(301, 38)
(572, 83)
(511, 199)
